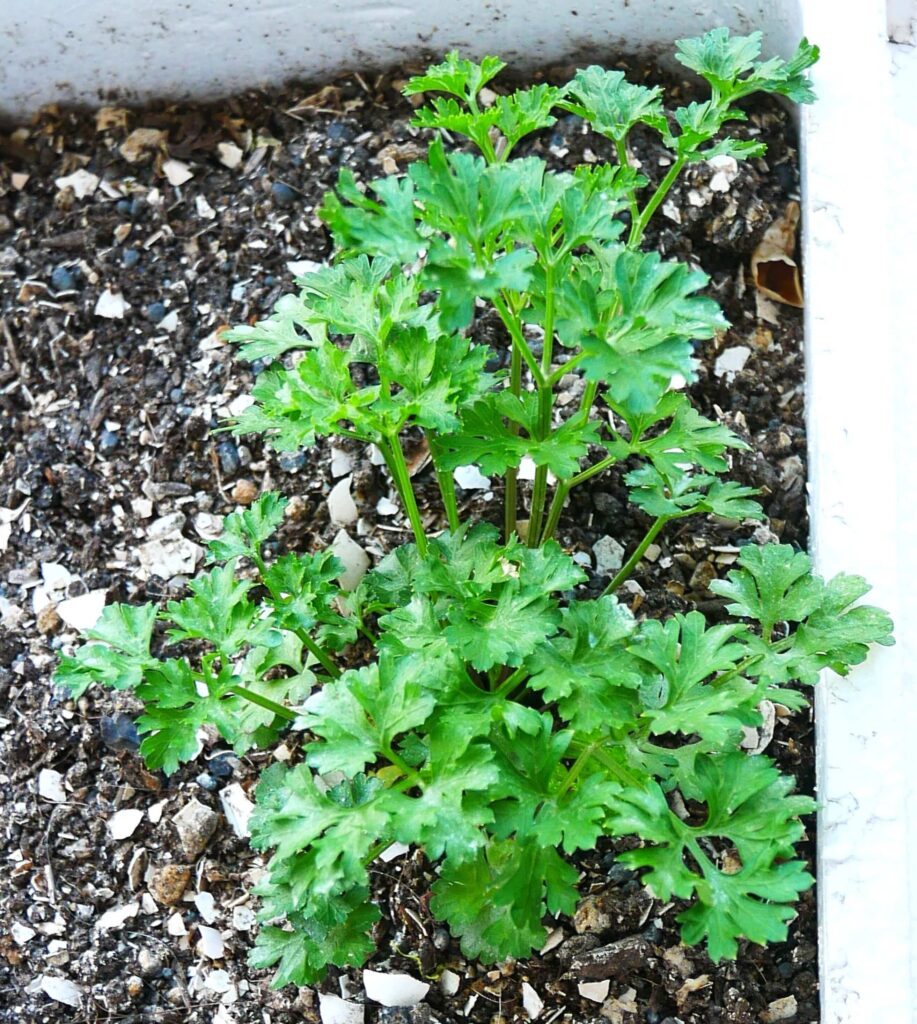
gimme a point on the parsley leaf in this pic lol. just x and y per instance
(359, 715)
(497, 900)
(748, 805)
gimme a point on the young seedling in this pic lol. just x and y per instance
(496, 720)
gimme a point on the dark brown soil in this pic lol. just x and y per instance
(105, 427)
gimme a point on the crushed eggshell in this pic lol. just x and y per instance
(470, 478)
(61, 990)
(82, 182)
(334, 1010)
(237, 808)
(341, 507)
(353, 557)
(51, 786)
(117, 917)
(177, 172)
(123, 824)
(773, 269)
(394, 989)
(597, 991)
(82, 612)
(111, 305)
(731, 361)
(532, 1002)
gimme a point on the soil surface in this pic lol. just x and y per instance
(105, 429)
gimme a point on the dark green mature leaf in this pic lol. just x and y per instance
(688, 439)
(359, 715)
(772, 584)
(321, 835)
(539, 799)
(683, 700)
(436, 376)
(331, 931)
(174, 712)
(121, 657)
(525, 111)
(611, 104)
(364, 299)
(303, 590)
(497, 900)
(450, 814)
(635, 318)
(486, 439)
(586, 669)
(748, 805)
(457, 118)
(293, 407)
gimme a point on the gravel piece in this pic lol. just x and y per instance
(195, 824)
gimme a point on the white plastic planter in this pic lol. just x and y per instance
(859, 148)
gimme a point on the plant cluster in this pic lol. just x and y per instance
(499, 721)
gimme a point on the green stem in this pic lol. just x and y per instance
(629, 780)
(394, 458)
(640, 550)
(586, 402)
(563, 490)
(576, 769)
(511, 498)
(403, 766)
(639, 225)
(564, 369)
(320, 656)
(545, 408)
(621, 147)
(511, 682)
(515, 332)
(265, 702)
(446, 482)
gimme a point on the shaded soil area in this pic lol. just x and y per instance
(115, 283)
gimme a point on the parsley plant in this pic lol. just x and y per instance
(499, 722)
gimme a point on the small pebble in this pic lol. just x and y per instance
(62, 280)
(292, 462)
(119, 732)
(155, 312)
(108, 441)
(283, 194)
(221, 766)
(195, 824)
(130, 258)
(244, 492)
(176, 395)
(167, 883)
(48, 620)
(229, 457)
(207, 782)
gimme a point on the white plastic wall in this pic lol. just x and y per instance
(859, 148)
(86, 50)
